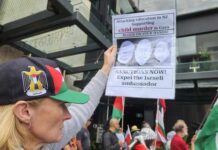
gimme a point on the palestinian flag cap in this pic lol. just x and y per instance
(31, 78)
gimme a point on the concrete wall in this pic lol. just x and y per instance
(28, 7)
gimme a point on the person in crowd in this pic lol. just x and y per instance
(67, 147)
(83, 137)
(135, 131)
(121, 138)
(72, 145)
(106, 124)
(178, 142)
(146, 140)
(145, 125)
(110, 140)
(170, 135)
(120, 135)
(33, 95)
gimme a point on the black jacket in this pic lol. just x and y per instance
(110, 141)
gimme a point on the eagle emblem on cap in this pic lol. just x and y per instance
(34, 82)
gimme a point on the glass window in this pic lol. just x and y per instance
(190, 6)
(197, 53)
(186, 46)
(204, 46)
(182, 6)
(155, 5)
(123, 6)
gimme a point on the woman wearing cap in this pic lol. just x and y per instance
(32, 103)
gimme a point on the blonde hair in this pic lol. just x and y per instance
(113, 121)
(179, 125)
(12, 132)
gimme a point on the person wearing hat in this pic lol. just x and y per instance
(145, 124)
(135, 131)
(33, 98)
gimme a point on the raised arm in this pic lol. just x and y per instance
(82, 112)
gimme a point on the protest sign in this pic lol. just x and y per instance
(145, 62)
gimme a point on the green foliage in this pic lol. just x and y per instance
(194, 63)
(204, 54)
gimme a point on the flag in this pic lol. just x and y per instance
(207, 139)
(128, 136)
(160, 129)
(118, 107)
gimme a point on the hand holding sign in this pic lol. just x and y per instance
(145, 65)
(109, 59)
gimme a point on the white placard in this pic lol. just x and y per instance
(146, 59)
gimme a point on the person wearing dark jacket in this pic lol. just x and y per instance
(110, 140)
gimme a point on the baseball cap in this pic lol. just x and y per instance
(30, 78)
